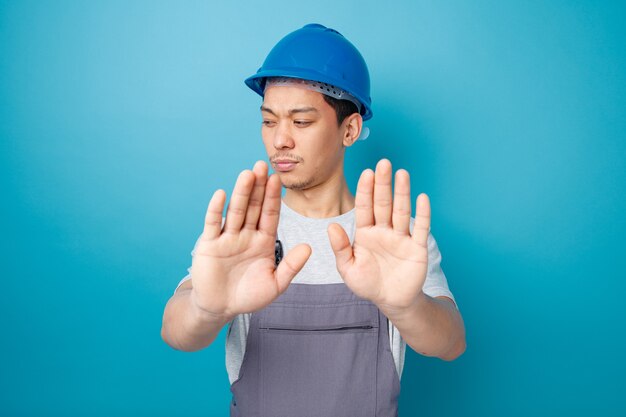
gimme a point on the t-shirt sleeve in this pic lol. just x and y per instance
(436, 283)
(193, 252)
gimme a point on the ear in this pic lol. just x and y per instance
(352, 128)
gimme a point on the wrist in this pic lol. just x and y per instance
(203, 316)
(399, 313)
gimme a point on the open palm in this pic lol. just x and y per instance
(386, 263)
(233, 269)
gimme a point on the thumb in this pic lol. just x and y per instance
(340, 243)
(291, 264)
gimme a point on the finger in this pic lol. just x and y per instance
(236, 212)
(291, 264)
(382, 193)
(401, 217)
(213, 217)
(363, 201)
(422, 220)
(341, 246)
(268, 223)
(256, 199)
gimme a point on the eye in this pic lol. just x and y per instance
(268, 123)
(302, 123)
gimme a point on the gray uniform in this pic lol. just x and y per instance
(295, 228)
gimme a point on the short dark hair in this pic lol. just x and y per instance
(343, 108)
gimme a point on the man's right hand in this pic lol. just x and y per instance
(233, 270)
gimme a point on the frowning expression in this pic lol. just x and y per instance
(303, 141)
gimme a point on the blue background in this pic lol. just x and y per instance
(119, 119)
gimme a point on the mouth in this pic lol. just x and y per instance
(284, 166)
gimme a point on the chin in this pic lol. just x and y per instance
(296, 184)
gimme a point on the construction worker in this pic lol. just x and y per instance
(322, 330)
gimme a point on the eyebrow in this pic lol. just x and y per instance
(292, 111)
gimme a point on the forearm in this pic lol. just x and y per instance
(186, 327)
(432, 327)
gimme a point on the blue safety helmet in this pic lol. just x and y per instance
(318, 53)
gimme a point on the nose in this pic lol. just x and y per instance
(282, 136)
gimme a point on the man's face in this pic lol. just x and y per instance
(300, 126)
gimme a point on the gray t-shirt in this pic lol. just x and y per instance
(293, 229)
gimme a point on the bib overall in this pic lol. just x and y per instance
(317, 351)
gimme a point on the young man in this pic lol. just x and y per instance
(323, 331)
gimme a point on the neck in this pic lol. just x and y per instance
(330, 199)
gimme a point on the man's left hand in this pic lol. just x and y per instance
(386, 264)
